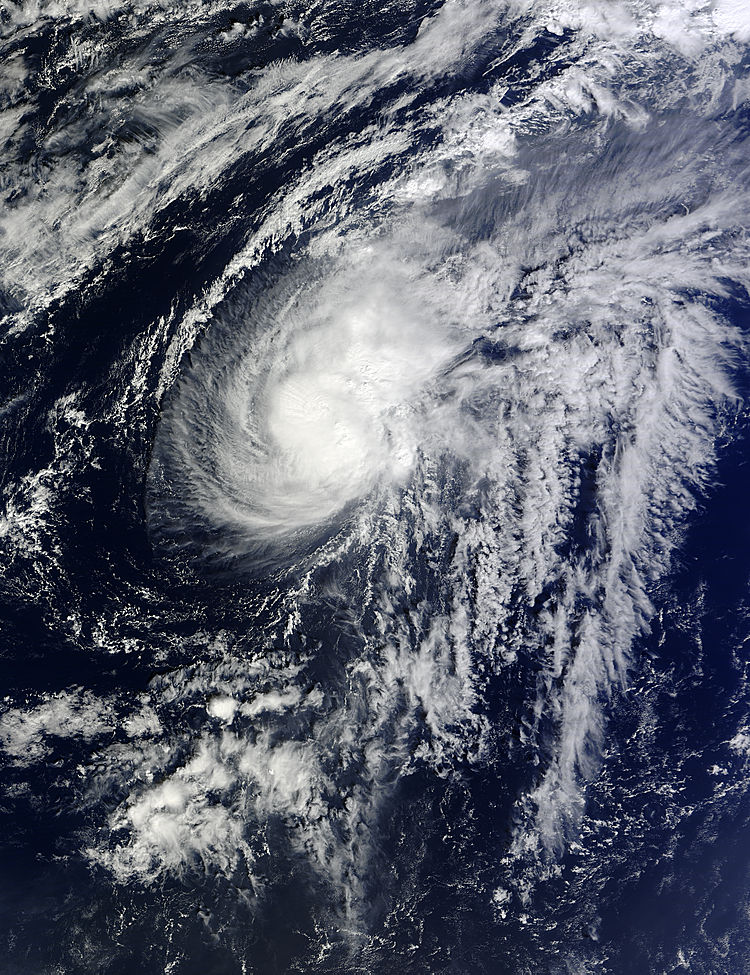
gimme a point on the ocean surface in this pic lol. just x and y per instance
(374, 549)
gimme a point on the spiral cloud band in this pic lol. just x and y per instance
(371, 370)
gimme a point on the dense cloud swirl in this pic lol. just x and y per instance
(370, 372)
(302, 400)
